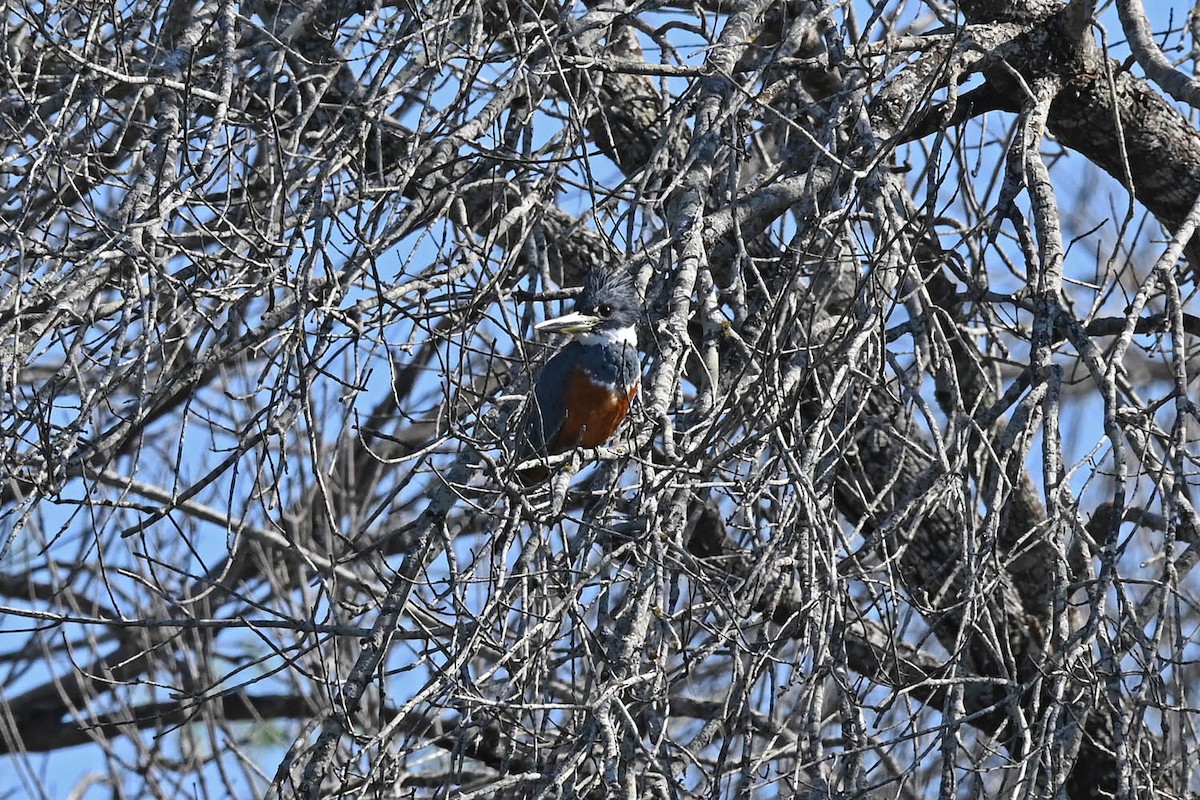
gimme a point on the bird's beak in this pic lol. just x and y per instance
(574, 322)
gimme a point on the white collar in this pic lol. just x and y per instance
(626, 336)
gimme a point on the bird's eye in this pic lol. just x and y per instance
(604, 309)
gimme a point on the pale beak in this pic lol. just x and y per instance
(575, 322)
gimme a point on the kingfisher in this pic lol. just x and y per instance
(584, 392)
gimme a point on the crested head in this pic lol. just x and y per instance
(606, 312)
(609, 295)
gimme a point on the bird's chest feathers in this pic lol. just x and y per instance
(593, 410)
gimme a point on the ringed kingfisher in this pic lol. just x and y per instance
(584, 392)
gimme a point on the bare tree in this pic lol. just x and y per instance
(905, 503)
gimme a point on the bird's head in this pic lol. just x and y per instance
(608, 308)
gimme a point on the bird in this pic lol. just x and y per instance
(584, 391)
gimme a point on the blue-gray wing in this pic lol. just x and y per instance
(546, 409)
